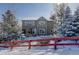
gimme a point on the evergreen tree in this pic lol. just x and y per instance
(76, 22)
(66, 29)
(10, 25)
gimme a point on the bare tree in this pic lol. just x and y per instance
(58, 17)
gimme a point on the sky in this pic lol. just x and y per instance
(24, 10)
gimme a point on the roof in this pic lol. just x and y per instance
(35, 18)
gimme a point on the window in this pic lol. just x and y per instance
(24, 31)
(30, 23)
(42, 31)
(41, 22)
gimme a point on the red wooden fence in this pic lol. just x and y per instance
(13, 44)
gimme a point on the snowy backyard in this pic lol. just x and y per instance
(27, 36)
(42, 50)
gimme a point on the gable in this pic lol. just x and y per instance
(42, 19)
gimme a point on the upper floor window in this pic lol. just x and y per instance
(29, 23)
(41, 22)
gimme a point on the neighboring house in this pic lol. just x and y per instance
(41, 26)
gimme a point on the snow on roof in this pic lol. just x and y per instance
(34, 18)
(30, 18)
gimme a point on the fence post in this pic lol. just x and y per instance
(11, 45)
(29, 47)
(55, 45)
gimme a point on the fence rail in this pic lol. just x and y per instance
(13, 44)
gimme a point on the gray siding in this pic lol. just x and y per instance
(39, 27)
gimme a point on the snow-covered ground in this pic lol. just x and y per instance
(74, 50)
(39, 37)
(47, 50)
